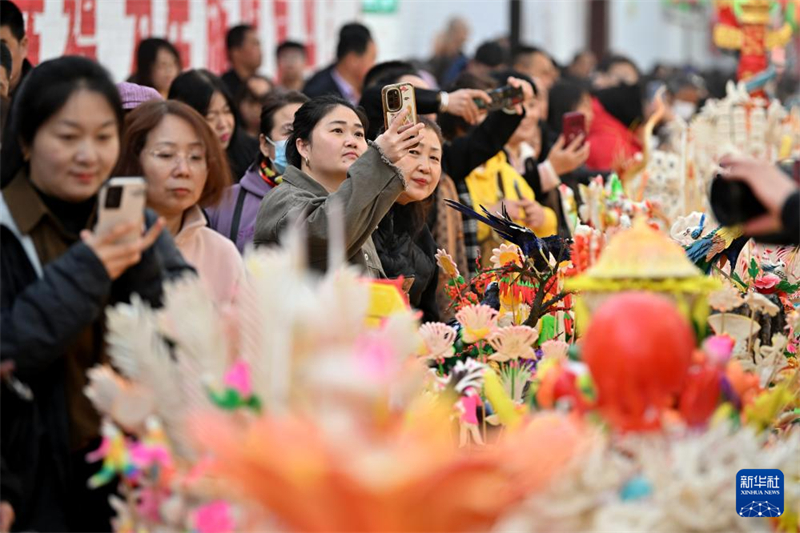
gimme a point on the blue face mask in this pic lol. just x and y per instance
(280, 155)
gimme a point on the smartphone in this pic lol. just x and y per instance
(573, 124)
(121, 200)
(502, 98)
(396, 99)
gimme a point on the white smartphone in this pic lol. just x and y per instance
(121, 200)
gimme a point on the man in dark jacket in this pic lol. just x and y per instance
(12, 34)
(355, 55)
(244, 53)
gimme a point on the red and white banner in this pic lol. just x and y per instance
(109, 30)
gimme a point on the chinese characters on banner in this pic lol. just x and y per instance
(196, 27)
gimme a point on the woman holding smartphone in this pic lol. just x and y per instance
(57, 277)
(330, 160)
(171, 145)
(403, 240)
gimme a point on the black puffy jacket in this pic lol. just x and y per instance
(410, 253)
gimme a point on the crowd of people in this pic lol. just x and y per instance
(230, 161)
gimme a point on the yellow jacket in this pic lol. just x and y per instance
(494, 181)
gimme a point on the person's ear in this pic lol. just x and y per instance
(304, 149)
(25, 149)
(23, 45)
(263, 145)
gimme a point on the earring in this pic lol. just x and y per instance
(308, 163)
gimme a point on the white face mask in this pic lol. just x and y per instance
(683, 109)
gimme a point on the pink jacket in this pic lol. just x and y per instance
(216, 258)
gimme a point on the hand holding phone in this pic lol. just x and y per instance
(118, 240)
(573, 125)
(502, 98)
(122, 247)
(399, 137)
(121, 200)
(565, 157)
(397, 99)
(751, 192)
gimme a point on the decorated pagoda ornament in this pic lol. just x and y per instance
(746, 26)
(642, 258)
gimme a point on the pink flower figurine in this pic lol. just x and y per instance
(719, 348)
(767, 283)
(214, 517)
(238, 379)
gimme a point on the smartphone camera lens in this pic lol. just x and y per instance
(394, 100)
(113, 197)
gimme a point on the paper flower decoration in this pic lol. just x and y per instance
(438, 339)
(237, 392)
(477, 321)
(719, 348)
(725, 299)
(506, 254)
(767, 283)
(554, 349)
(793, 320)
(238, 379)
(215, 517)
(740, 328)
(446, 263)
(514, 316)
(513, 342)
(759, 302)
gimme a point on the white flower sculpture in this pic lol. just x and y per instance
(759, 302)
(506, 254)
(446, 263)
(725, 299)
(513, 342)
(478, 322)
(690, 487)
(512, 317)
(438, 339)
(555, 349)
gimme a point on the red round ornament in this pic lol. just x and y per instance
(638, 348)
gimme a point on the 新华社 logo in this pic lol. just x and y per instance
(759, 493)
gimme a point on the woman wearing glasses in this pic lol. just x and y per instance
(171, 145)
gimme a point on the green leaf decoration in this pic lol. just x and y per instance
(753, 270)
(788, 288)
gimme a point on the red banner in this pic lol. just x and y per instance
(59, 27)
(141, 12)
(30, 8)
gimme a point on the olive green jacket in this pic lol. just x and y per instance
(371, 188)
